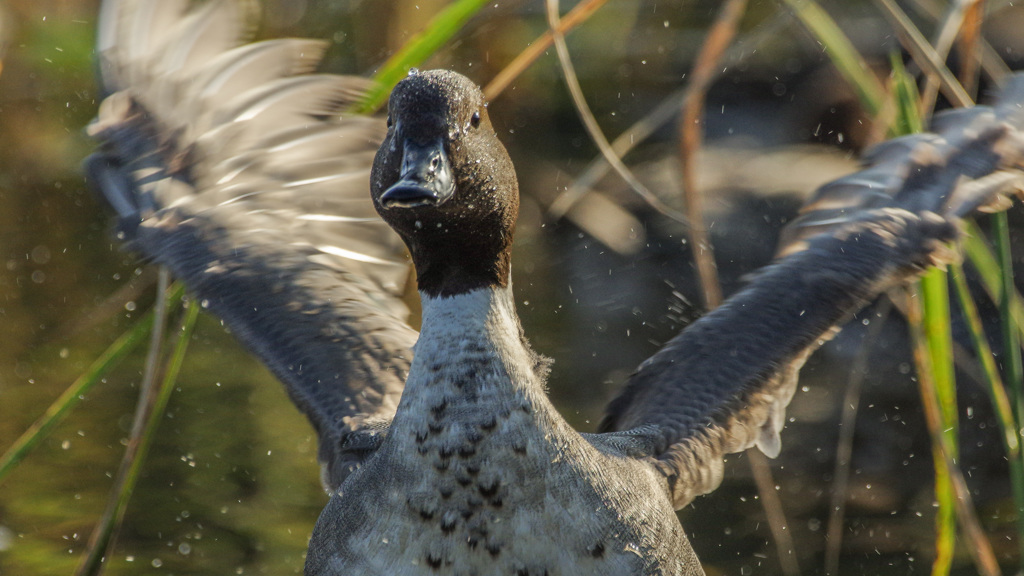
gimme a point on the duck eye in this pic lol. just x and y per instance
(475, 120)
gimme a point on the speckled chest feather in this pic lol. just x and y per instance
(479, 475)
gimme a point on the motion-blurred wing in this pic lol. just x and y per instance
(235, 167)
(722, 385)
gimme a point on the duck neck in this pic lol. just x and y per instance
(462, 264)
(471, 346)
(478, 321)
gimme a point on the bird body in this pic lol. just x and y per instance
(479, 474)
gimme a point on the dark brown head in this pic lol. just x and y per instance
(445, 183)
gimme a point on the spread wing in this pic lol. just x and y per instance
(236, 167)
(723, 384)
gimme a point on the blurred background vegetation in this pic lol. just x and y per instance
(232, 484)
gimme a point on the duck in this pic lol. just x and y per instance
(243, 172)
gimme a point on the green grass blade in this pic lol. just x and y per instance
(1011, 350)
(420, 47)
(60, 408)
(984, 261)
(939, 343)
(935, 362)
(994, 382)
(908, 117)
(935, 290)
(1011, 341)
(135, 456)
(842, 53)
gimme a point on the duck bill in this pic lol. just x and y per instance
(426, 177)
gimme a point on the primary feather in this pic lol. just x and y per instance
(230, 164)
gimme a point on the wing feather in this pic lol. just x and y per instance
(723, 384)
(231, 165)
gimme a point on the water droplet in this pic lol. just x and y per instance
(40, 254)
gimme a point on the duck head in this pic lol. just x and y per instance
(444, 182)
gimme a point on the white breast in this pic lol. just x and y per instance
(479, 474)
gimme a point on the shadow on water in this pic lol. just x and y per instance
(232, 485)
